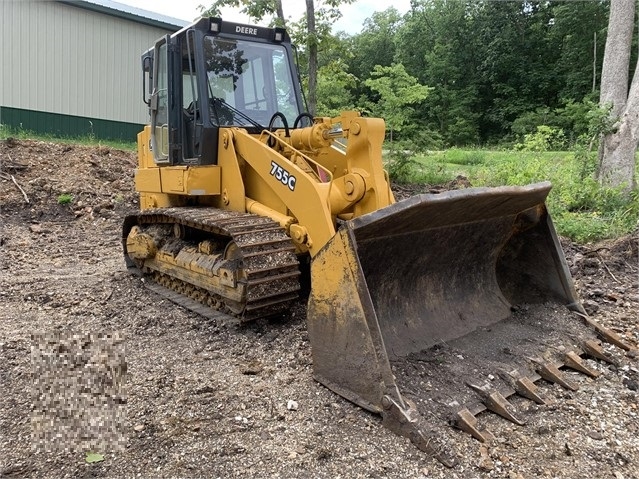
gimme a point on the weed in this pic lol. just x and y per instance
(65, 199)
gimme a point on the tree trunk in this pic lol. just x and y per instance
(617, 164)
(617, 152)
(280, 13)
(312, 57)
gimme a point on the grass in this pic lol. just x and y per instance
(581, 209)
(87, 140)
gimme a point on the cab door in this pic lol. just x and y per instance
(165, 141)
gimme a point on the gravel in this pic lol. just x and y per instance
(209, 399)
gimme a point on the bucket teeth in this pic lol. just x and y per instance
(594, 349)
(465, 421)
(573, 361)
(404, 419)
(551, 373)
(606, 334)
(497, 403)
(523, 386)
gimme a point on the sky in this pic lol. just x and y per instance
(353, 15)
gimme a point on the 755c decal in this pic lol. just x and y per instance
(282, 175)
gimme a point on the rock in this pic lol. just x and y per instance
(568, 449)
(591, 263)
(485, 462)
(591, 306)
(253, 368)
(205, 390)
(139, 427)
(292, 405)
(596, 435)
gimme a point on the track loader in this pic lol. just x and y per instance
(426, 311)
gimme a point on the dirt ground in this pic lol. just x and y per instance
(194, 398)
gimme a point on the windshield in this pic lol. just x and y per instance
(248, 82)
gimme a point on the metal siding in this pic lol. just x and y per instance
(72, 61)
(68, 126)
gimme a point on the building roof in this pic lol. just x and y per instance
(120, 10)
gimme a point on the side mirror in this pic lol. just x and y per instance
(147, 72)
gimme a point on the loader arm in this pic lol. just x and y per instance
(308, 201)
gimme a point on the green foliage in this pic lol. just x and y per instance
(65, 199)
(465, 157)
(424, 138)
(397, 91)
(579, 28)
(375, 45)
(408, 166)
(254, 9)
(546, 138)
(528, 122)
(598, 122)
(604, 213)
(401, 165)
(334, 85)
(581, 208)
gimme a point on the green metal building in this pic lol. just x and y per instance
(73, 68)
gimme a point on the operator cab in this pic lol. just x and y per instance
(214, 74)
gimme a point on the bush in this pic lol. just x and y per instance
(401, 165)
(546, 138)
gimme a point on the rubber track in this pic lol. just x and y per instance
(269, 259)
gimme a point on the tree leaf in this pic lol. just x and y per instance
(92, 457)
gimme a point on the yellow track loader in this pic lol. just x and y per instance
(427, 311)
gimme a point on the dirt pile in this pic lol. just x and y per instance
(211, 400)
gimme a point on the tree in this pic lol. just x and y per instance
(617, 152)
(334, 86)
(312, 57)
(579, 33)
(375, 45)
(397, 91)
(255, 9)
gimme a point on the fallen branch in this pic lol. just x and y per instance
(607, 269)
(7, 176)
